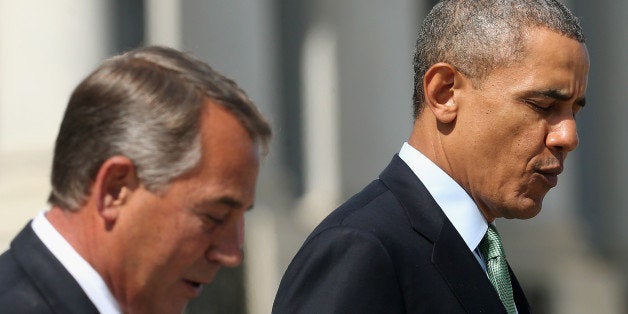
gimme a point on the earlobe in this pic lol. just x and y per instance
(115, 182)
(439, 84)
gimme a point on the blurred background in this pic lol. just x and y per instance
(335, 79)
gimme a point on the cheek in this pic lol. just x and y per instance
(176, 244)
(513, 136)
(527, 141)
(190, 241)
(501, 155)
(175, 257)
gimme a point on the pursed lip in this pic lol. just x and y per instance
(551, 174)
(195, 287)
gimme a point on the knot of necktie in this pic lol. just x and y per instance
(491, 245)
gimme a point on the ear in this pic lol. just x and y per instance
(115, 181)
(439, 83)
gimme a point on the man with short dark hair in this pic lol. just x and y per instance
(497, 86)
(154, 167)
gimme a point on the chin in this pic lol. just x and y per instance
(526, 212)
(527, 215)
(171, 307)
(163, 307)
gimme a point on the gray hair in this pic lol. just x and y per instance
(145, 105)
(478, 36)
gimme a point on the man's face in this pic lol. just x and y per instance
(172, 243)
(514, 130)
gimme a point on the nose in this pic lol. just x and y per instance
(227, 248)
(563, 136)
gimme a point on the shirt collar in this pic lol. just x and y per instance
(457, 205)
(86, 276)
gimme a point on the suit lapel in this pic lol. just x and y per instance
(450, 255)
(414, 198)
(520, 299)
(56, 285)
(463, 273)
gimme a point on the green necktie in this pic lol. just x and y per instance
(496, 267)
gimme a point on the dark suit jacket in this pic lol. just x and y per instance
(32, 280)
(389, 249)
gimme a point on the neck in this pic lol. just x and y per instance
(81, 230)
(427, 138)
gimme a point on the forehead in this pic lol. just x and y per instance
(225, 142)
(549, 60)
(542, 45)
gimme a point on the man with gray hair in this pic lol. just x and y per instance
(154, 167)
(498, 84)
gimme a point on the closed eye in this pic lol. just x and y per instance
(214, 219)
(215, 212)
(543, 108)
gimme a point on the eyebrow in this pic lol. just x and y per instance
(225, 200)
(232, 202)
(558, 95)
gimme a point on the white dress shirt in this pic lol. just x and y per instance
(457, 205)
(86, 276)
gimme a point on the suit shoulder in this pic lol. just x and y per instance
(17, 292)
(340, 270)
(375, 209)
(10, 273)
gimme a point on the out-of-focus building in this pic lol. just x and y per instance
(335, 78)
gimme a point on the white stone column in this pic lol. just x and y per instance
(46, 48)
(320, 119)
(162, 22)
